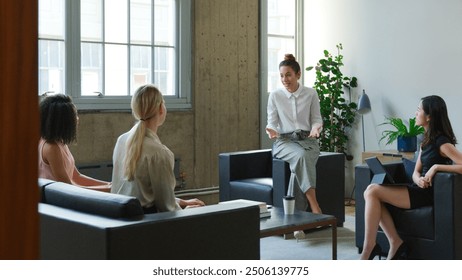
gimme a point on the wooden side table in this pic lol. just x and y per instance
(387, 155)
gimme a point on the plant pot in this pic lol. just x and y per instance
(407, 144)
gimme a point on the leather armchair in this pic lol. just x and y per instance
(256, 175)
(432, 232)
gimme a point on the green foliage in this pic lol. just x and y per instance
(400, 129)
(337, 113)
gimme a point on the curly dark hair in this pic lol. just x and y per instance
(435, 107)
(58, 119)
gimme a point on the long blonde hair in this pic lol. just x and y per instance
(146, 102)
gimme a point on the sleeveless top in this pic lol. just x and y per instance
(45, 169)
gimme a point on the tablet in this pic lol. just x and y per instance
(381, 175)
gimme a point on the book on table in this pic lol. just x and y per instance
(265, 210)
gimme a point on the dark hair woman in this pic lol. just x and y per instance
(437, 153)
(58, 128)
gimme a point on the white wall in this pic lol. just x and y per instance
(400, 51)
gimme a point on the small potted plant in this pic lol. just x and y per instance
(406, 136)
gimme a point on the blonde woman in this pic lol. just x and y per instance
(143, 166)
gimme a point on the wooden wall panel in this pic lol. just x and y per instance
(19, 130)
(226, 98)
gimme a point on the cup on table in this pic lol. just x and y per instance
(289, 205)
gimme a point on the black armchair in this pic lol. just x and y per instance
(432, 232)
(256, 175)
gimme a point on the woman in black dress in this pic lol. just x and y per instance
(437, 153)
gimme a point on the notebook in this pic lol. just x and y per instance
(265, 210)
(381, 175)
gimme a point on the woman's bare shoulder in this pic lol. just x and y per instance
(51, 149)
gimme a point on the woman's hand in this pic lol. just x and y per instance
(423, 183)
(426, 181)
(272, 133)
(430, 174)
(315, 131)
(191, 203)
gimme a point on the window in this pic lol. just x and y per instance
(281, 22)
(101, 51)
(282, 37)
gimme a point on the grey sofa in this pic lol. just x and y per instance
(432, 232)
(256, 175)
(77, 223)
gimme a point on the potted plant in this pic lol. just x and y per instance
(406, 136)
(338, 113)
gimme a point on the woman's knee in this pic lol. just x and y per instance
(371, 191)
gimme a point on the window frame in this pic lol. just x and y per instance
(265, 142)
(183, 64)
(297, 37)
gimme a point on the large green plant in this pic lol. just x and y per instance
(338, 114)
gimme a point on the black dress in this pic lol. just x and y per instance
(429, 156)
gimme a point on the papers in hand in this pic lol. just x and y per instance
(265, 210)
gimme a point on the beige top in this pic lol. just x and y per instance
(68, 160)
(154, 181)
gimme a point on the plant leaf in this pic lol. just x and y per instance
(400, 129)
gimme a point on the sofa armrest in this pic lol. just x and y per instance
(281, 177)
(90, 201)
(448, 210)
(330, 183)
(242, 165)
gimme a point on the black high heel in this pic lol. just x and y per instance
(377, 250)
(401, 253)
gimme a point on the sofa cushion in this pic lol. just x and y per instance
(409, 166)
(416, 222)
(42, 183)
(91, 201)
(258, 189)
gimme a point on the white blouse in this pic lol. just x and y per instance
(154, 181)
(288, 112)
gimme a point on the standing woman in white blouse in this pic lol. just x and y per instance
(294, 120)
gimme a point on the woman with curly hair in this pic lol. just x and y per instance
(58, 128)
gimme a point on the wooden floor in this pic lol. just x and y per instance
(350, 207)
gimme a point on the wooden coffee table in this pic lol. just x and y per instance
(279, 224)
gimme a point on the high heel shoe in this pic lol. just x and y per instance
(377, 250)
(401, 252)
